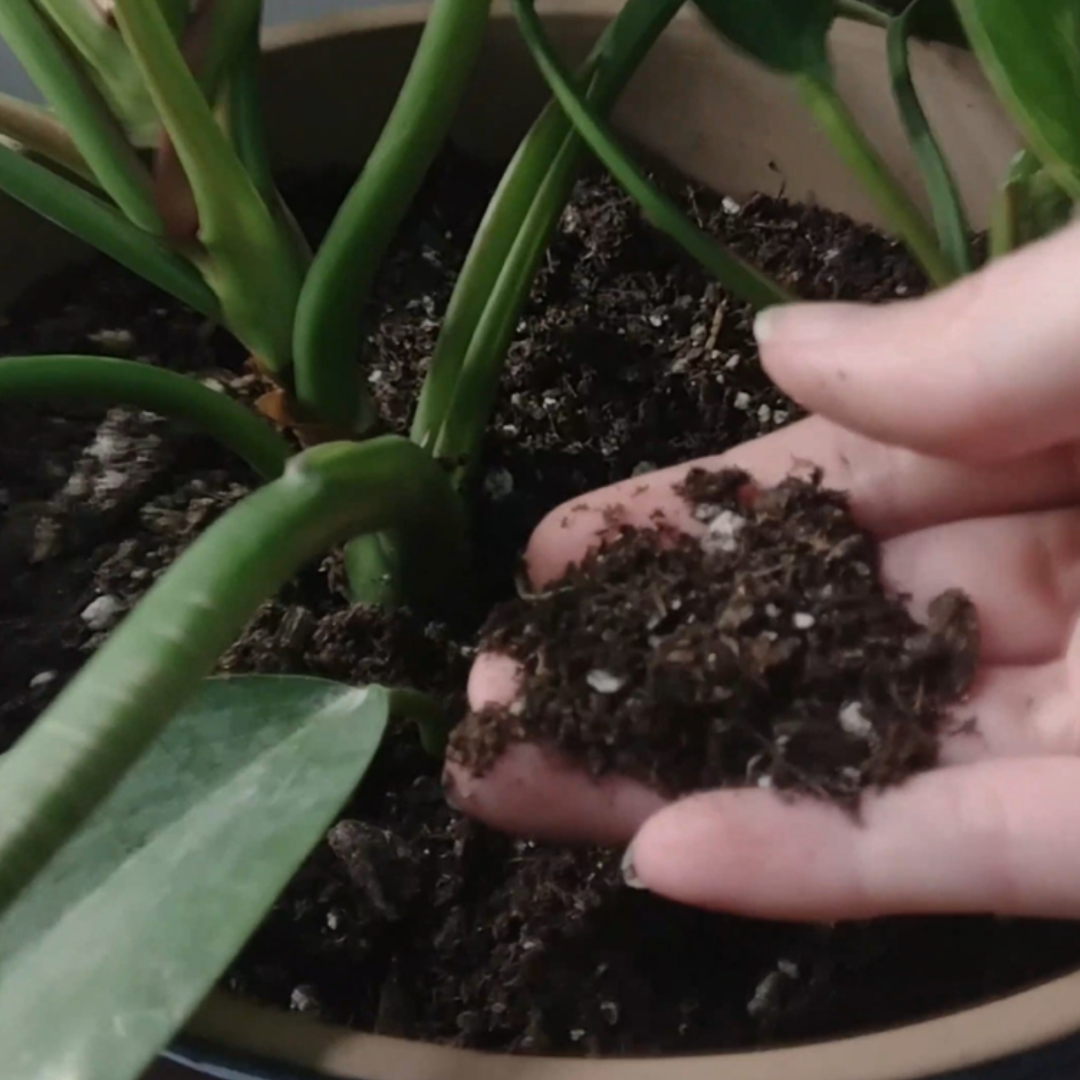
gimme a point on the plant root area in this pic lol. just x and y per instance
(761, 651)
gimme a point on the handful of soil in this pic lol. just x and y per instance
(765, 652)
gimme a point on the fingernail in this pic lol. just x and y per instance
(628, 872)
(765, 324)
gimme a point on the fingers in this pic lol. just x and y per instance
(994, 837)
(1022, 572)
(892, 490)
(984, 370)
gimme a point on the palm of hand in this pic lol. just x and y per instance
(967, 471)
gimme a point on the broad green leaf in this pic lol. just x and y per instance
(928, 17)
(1030, 51)
(785, 35)
(1031, 205)
(118, 940)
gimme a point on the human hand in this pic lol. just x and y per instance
(953, 422)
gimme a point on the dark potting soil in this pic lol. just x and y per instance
(764, 651)
(409, 919)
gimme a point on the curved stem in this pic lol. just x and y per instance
(128, 382)
(108, 715)
(904, 218)
(859, 11)
(428, 715)
(329, 321)
(41, 133)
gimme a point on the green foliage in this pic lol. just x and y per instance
(122, 935)
(785, 35)
(1031, 54)
(1031, 205)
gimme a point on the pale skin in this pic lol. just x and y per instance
(954, 423)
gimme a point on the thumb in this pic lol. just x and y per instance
(986, 369)
(990, 838)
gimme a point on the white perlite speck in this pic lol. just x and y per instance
(803, 620)
(855, 722)
(730, 205)
(42, 678)
(605, 682)
(742, 400)
(101, 613)
(723, 532)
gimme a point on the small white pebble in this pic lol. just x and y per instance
(723, 532)
(101, 613)
(733, 363)
(706, 511)
(730, 205)
(118, 340)
(742, 400)
(375, 376)
(656, 320)
(643, 468)
(788, 968)
(765, 781)
(577, 1034)
(42, 678)
(772, 611)
(764, 414)
(605, 682)
(303, 999)
(215, 385)
(498, 484)
(765, 993)
(333, 919)
(803, 620)
(854, 721)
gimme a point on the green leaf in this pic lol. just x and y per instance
(1031, 205)
(120, 938)
(1030, 51)
(926, 17)
(785, 35)
(740, 277)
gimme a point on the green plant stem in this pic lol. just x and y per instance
(105, 228)
(128, 382)
(40, 133)
(911, 227)
(744, 280)
(945, 201)
(250, 262)
(125, 695)
(81, 109)
(329, 323)
(1004, 230)
(429, 716)
(548, 159)
(862, 12)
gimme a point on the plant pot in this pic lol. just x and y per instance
(719, 119)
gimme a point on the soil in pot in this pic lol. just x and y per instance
(409, 919)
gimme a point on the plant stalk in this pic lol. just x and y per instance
(129, 382)
(73, 756)
(829, 110)
(329, 322)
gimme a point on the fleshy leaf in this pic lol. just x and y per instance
(120, 937)
(785, 35)
(1030, 51)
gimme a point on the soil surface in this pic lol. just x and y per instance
(764, 651)
(409, 919)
